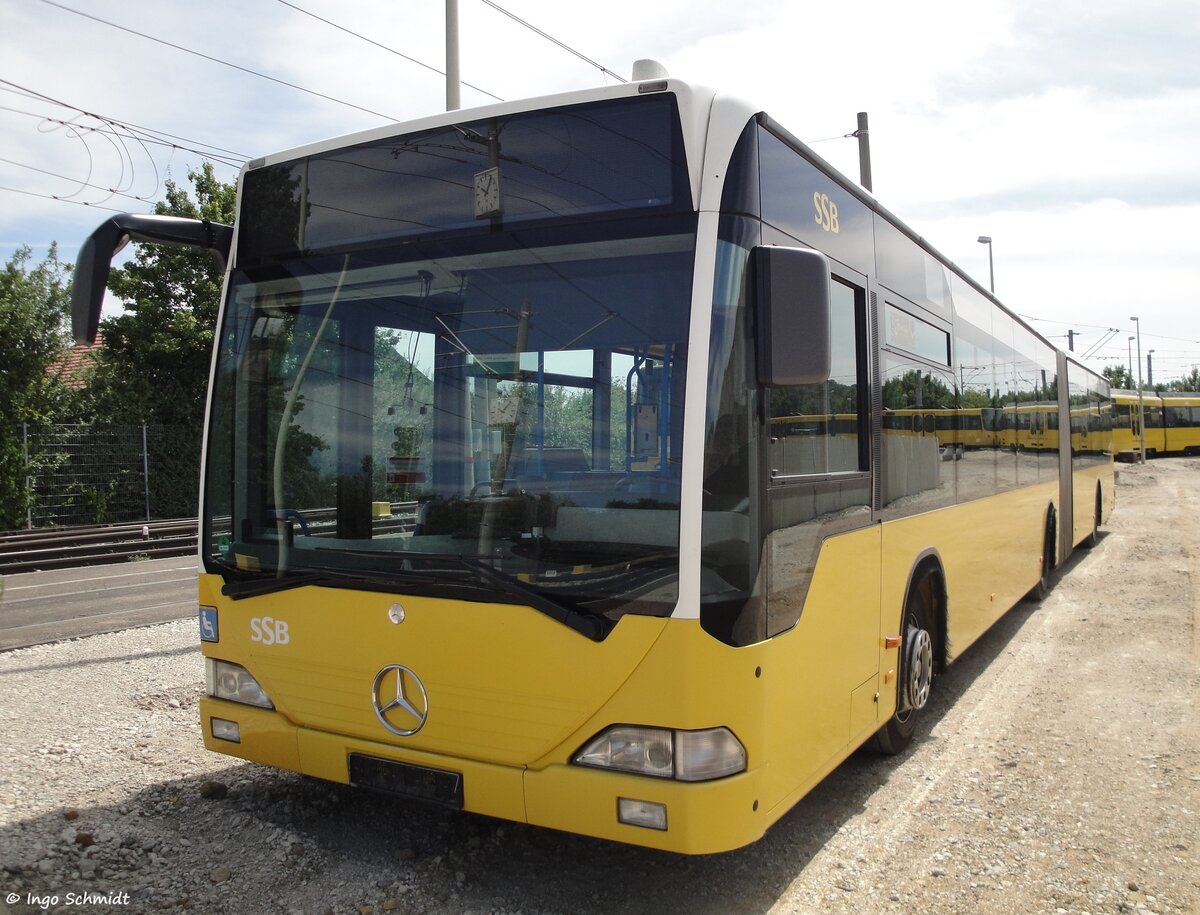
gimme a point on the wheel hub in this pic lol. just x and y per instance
(919, 667)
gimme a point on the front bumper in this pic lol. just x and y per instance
(701, 817)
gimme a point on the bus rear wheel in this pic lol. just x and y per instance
(1094, 537)
(1042, 589)
(916, 667)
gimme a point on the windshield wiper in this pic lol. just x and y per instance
(594, 627)
(486, 579)
(324, 577)
(239, 588)
(400, 580)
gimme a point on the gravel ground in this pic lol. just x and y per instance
(1058, 771)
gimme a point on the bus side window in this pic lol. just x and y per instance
(816, 428)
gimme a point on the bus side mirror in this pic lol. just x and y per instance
(91, 278)
(791, 296)
(96, 254)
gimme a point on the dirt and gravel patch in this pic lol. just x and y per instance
(1058, 771)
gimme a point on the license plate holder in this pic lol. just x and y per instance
(442, 787)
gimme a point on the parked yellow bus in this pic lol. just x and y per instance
(1039, 426)
(1128, 410)
(974, 428)
(633, 604)
(1181, 422)
(1172, 423)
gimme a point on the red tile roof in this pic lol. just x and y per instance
(73, 365)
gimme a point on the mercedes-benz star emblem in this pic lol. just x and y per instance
(400, 701)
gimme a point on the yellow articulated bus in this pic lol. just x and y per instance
(954, 428)
(968, 427)
(1172, 423)
(1181, 422)
(1038, 426)
(1129, 413)
(629, 603)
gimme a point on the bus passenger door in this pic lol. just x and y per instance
(822, 547)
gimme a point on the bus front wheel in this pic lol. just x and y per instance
(916, 667)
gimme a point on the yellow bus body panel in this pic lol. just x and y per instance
(1085, 481)
(800, 702)
(990, 550)
(266, 736)
(506, 684)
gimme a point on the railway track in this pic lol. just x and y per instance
(60, 548)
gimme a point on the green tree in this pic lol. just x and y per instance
(568, 414)
(916, 390)
(1189, 382)
(1118, 377)
(974, 398)
(34, 309)
(154, 366)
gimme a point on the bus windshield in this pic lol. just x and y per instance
(444, 417)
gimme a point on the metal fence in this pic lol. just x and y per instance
(102, 474)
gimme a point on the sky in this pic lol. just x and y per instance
(1068, 132)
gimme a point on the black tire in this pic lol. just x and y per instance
(1042, 589)
(916, 666)
(1094, 537)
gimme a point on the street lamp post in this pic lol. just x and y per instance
(453, 89)
(987, 240)
(1141, 399)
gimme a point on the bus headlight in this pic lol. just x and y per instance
(224, 680)
(689, 756)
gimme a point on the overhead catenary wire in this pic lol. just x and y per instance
(82, 203)
(112, 191)
(210, 150)
(540, 32)
(566, 47)
(372, 41)
(528, 25)
(217, 60)
(165, 138)
(113, 127)
(1109, 334)
(1064, 323)
(144, 135)
(1108, 349)
(83, 124)
(1106, 328)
